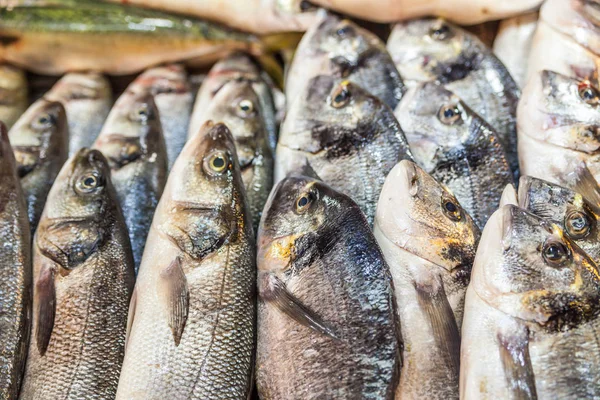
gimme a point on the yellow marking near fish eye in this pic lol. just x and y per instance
(578, 201)
(282, 249)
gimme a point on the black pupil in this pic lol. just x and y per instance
(89, 181)
(450, 113)
(219, 162)
(302, 201)
(554, 252)
(245, 106)
(589, 94)
(305, 5)
(44, 119)
(450, 207)
(344, 31)
(441, 32)
(578, 223)
(341, 96)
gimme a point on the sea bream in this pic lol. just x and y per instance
(13, 94)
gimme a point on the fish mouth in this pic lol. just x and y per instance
(523, 193)
(193, 207)
(507, 225)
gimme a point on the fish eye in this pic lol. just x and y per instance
(555, 253)
(245, 108)
(44, 121)
(449, 114)
(344, 31)
(303, 202)
(451, 209)
(440, 32)
(216, 163)
(88, 183)
(141, 114)
(577, 224)
(341, 96)
(589, 94)
(305, 6)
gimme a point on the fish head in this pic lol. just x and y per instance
(80, 86)
(421, 216)
(40, 133)
(168, 79)
(528, 268)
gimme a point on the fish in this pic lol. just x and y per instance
(133, 143)
(237, 66)
(13, 94)
(83, 280)
(464, 12)
(558, 124)
(327, 324)
(87, 98)
(340, 48)
(509, 196)
(173, 96)
(513, 44)
(429, 242)
(339, 133)
(40, 141)
(56, 36)
(15, 274)
(531, 308)
(456, 146)
(434, 50)
(193, 312)
(237, 105)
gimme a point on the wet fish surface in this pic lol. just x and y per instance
(84, 277)
(15, 274)
(327, 324)
(531, 314)
(339, 133)
(194, 306)
(429, 243)
(456, 146)
(13, 94)
(133, 143)
(40, 141)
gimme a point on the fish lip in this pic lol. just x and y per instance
(193, 206)
(59, 221)
(507, 222)
(523, 192)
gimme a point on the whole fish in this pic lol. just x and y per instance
(87, 98)
(15, 274)
(434, 50)
(238, 107)
(456, 146)
(40, 141)
(531, 314)
(194, 306)
(238, 66)
(84, 277)
(558, 124)
(341, 48)
(174, 99)
(133, 143)
(429, 242)
(13, 94)
(341, 134)
(327, 325)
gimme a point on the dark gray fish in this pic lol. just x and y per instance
(40, 141)
(343, 135)
(15, 274)
(84, 277)
(327, 325)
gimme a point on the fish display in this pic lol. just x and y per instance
(530, 309)
(456, 146)
(325, 299)
(84, 277)
(13, 94)
(340, 48)
(174, 99)
(434, 50)
(193, 311)
(133, 143)
(87, 98)
(339, 133)
(15, 273)
(429, 243)
(40, 141)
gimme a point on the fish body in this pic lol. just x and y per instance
(87, 98)
(429, 243)
(340, 48)
(133, 143)
(339, 133)
(427, 50)
(456, 146)
(15, 274)
(40, 141)
(531, 314)
(326, 316)
(84, 277)
(193, 314)
(13, 94)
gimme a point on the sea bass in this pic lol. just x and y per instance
(327, 324)
(428, 50)
(133, 144)
(84, 276)
(194, 308)
(341, 134)
(531, 314)
(87, 98)
(13, 94)
(40, 141)
(15, 274)
(456, 146)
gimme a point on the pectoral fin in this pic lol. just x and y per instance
(46, 299)
(273, 290)
(518, 372)
(176, 298)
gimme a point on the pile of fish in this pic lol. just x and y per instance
(400, 219)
